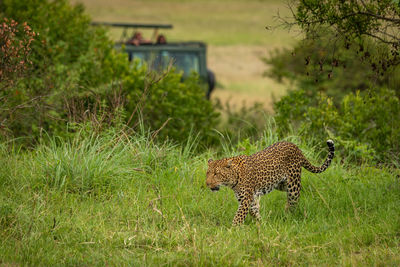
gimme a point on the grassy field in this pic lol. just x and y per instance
(114, 200)
(234, 30)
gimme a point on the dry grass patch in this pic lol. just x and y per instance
(239, 71)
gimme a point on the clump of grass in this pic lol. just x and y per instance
(90, 164)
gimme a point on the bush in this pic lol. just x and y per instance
(364, 124)
(75, 70)
(66, 56)
(318, 65)
(244, 123)
(174, 108)
(347, 91)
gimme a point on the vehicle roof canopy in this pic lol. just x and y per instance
(126, 26)
(134, 25)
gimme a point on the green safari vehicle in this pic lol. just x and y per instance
(158, 54)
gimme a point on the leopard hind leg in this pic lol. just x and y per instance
(293, 188)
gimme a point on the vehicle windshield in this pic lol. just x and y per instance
(185, 61)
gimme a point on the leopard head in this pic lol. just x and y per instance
(221, 172)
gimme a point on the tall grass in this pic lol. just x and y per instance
(114, 199)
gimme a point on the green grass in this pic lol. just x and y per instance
(128, 201)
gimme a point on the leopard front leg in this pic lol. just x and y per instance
(255, 208)
(245, 200)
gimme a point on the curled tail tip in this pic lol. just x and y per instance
(331, 144)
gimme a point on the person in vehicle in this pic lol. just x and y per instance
(161, 39)
(137, 39)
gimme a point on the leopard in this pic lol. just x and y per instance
(278, 167)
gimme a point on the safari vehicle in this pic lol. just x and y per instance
(187, 57)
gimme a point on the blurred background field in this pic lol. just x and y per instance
(235, 31)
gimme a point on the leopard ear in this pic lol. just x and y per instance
(210, 160)
(228, 163)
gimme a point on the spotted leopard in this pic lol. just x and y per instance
(276, 167)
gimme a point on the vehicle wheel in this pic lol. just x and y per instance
(211, 82)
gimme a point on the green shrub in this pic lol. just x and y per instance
(174, 108)
(76, 71)
(364, 125)
(67, 56)
(290, 110)
(344, 90)
(244, 123)
(319, 65)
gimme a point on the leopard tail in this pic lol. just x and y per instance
(308, 166)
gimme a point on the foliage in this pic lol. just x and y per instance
(169, 107)
(66, 57)
(15, 47)
(77, 75)
(172, 108)
(346, 80)
(290, 109)
(354, 20)
(327, 65)
(246, 122)
(364, 124)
